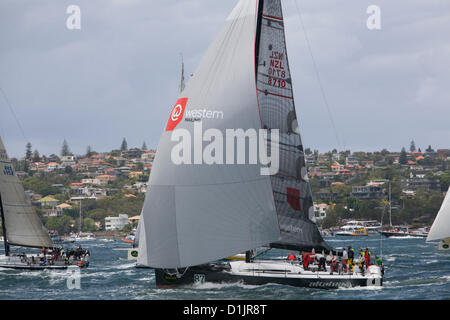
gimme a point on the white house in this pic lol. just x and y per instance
(321, 210)
(116, 223)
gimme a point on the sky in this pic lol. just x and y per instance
(118, 75)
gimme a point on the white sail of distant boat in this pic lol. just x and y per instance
(196, 215)
(440, 229)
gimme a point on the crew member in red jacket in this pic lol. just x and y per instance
(367, 257)
(306, 259)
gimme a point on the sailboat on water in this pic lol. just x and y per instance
(440, 229)
(197, 213)
(22, 227)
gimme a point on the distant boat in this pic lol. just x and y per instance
(56, 238)
(129, 238)
(353, 232)
(22, 226)
(359, 228)
(84, 236)
(440, 229)
(196, 218)
(396, 231)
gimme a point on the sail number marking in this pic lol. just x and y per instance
(7, 170)
(276, 69)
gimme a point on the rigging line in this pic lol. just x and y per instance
(14, 114)
(319, 80)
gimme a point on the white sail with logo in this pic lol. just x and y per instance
(22, 225)
(200, 212)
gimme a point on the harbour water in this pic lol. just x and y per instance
(414, 270)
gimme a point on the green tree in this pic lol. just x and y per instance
(444, 181)
(412, 146)
(88, 225)
(39, 185)
(127, 228)
(68, 170)
(89, 152)
(124, 145)
(28, 152)
(66, 224)
(65, 151)
(403, 157)
(36, 157)
(63, 224)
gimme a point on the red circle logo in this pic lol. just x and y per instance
(177, 114)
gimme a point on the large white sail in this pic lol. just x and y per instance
(441, 224)
(23, 226)
(199, 213)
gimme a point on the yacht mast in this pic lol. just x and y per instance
(390, 206)
(79, 234)
(182, 85)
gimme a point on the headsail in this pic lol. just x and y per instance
(197, 213)
(292, 191)
(440, 228)
(23, 226)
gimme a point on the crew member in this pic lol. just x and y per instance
(351, 255)
(367, 257)
(344, 259)
(306, 259)
(291, 257)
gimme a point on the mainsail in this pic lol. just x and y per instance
(440, 229)
(198, 213)
(292, 191)
(22, 225)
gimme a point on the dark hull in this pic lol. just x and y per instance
(206, 273)
(389, 234)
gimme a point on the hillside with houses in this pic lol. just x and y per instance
(110, 186)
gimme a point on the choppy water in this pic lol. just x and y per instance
(414, 270)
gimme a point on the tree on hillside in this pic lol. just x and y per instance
(412, 147)
(65, 151)
(36, 157)
(403, 157)
(89, 152)
(28, 152)
(124, 145)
